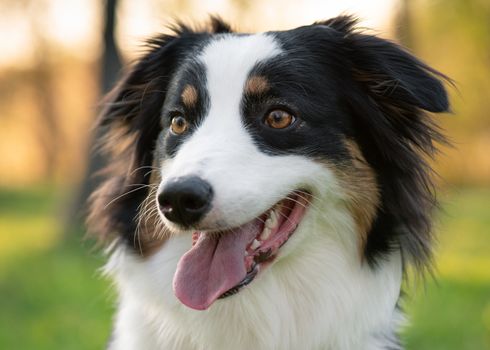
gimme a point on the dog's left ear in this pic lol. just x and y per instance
(389, 72)
(387, 96)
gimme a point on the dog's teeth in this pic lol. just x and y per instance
(271, 221)
(268, 223)
(273, 218)
(265, 234)
(255, 244)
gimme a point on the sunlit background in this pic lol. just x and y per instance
(52, 78)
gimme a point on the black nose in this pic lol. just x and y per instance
(185, 200)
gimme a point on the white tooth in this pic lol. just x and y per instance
(271, 221)
(255, 244)
(265, 234)
(268, 223)
(273, 218)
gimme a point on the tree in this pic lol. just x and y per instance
(110, 67)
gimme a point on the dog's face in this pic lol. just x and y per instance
(237, 124)
(256, 141)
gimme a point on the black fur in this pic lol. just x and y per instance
(341, 84)
(189, 73)
(132, 122)
(395, 136)
(348, 83)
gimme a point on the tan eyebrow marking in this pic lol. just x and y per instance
(189, 96)
(256, 85)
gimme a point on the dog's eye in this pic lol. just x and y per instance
(179, 125)
(279, 119)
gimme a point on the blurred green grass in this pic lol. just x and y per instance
(453, 310)
(52, 297)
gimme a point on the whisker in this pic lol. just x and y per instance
(124, 194)
(305, 195)
(309, 203)
(149, 172)
(143, 167)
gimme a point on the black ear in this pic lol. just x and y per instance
(393, 74)
(389, 71)
(130, 124)
(387, 96)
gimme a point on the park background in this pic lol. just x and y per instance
(58, 57)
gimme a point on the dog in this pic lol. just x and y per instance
(267, 191)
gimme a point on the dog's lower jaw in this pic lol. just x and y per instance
(320, 296)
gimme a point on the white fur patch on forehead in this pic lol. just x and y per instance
(229, 60)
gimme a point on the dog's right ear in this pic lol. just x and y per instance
(130, 125)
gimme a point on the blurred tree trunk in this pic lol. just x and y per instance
(47, 129)
(110, 67)
(111, 60)
(404, 24)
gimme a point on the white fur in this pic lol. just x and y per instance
(317, 294)
(221, 151)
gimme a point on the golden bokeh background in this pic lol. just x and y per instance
(51, 73)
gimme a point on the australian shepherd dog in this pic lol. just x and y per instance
(267, 191)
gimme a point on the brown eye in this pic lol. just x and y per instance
(179, 125)
(279, 119)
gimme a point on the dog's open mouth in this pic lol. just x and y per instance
(220, 264)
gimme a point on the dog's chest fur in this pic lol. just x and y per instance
(320, 300)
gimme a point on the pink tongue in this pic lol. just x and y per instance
(213, 266)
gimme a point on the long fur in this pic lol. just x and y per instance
(365, 159)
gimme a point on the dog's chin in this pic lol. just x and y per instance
(222, 261)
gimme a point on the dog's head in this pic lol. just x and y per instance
(246, 142)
